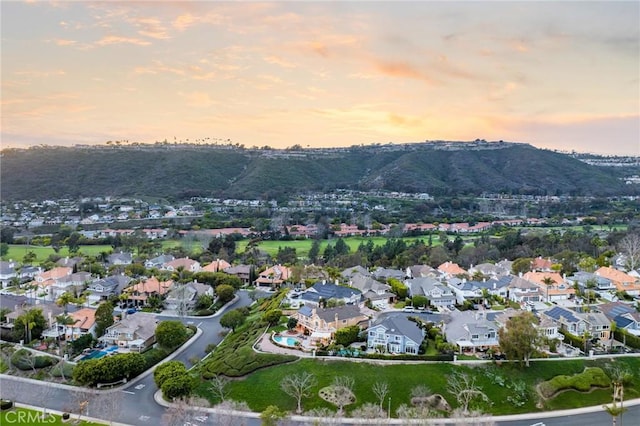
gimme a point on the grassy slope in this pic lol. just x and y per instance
(402, 378)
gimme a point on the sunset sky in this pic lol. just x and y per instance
(558, 75)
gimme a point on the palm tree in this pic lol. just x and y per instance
(615, 411)
(64, 320)
(64, 300)
(548, 281)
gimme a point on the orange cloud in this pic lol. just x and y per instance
(401, 70)
(109, 40)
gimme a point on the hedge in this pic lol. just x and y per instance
(629, 339)
(583, 382)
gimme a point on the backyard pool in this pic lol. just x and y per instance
(286, 341)
(99, 353)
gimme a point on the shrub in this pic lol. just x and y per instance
(178, 386)
(22, 359)
(583, 382)
(42, 361)
(5, 404)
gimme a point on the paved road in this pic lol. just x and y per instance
(135, 404)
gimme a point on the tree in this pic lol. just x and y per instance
(4, 249)
(272, 316)
(520, 338)
(629, 246)
(64, 300)
(292, 323)
(380, 390)
(298, 386)
(521, 265)
(342, 391)
(225, 293)
(29, 258)
(232, 319)
(464, 389)
(29, 325)
(178, 386)
(171, 334)
(218, 387)
(615, 410)
(104, 318)
(166, 370)
(548, 282)
(347, 335)
(271, 415)
(314, 251)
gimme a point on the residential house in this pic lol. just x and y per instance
(120, 258)
(138, 294)
(133, 332)
(396, 334)
(490, 270)
(241, 271)
(540, 264)
(218, 265)
(158, 261)
(623, 281)
(74, 283)
(183, 263)
(496, 287)
(321, 324)
(7, 272)
(323, 291)
(69, 262)
(386, 273)
(377, 293)
(183, 297)
(598, 325)
(49, 311)
(567, 320)
(438, 294)
(557, 289)
(101, 289)
(523, 291)
(629, 321)
(464, 290)
(591, 281)
(421, 271)
(273, 277)
(348, 273)
(471, 331)
(84, 322)
(450, 269)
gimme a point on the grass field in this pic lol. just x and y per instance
(494, 380)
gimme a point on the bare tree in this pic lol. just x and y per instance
(180, 412)
(219, 387)
(343, 392)
(298, 386)
(380, 390)
(323, 416)
(369, 410)
(629, 246)
(80, 402)
(226, 413)
(465, 390)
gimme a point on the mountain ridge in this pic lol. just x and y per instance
(181, 171)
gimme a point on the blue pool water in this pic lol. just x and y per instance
(287, 341)
(99, 354)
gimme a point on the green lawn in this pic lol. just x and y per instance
(303, 246)
(495, 381)
(24, 416)
(17, 252)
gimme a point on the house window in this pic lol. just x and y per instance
(474, 336)
(372, 333)
(397, 338)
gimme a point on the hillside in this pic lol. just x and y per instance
(225, 171)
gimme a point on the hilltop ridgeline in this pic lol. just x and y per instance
(183, 171)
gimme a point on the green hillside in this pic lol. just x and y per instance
(183, 171)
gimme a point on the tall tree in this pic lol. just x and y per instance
(629, 246)
(520, 338)
(104, 318)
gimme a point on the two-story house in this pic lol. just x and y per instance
(471, 331)
(624, 282)
(321, 324)
(324, 291)
(138, 294)
(120, 258)
(183, 263)
(132, 333)
(377, 293)
(395, 334)
(273, 277)
(523, 291)
(8, 272)
(552, 284)
(183, 297)
(438, 294)
(159, 261)
(101, 289)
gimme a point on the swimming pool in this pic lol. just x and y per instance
(99, 354)
(286, 341)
